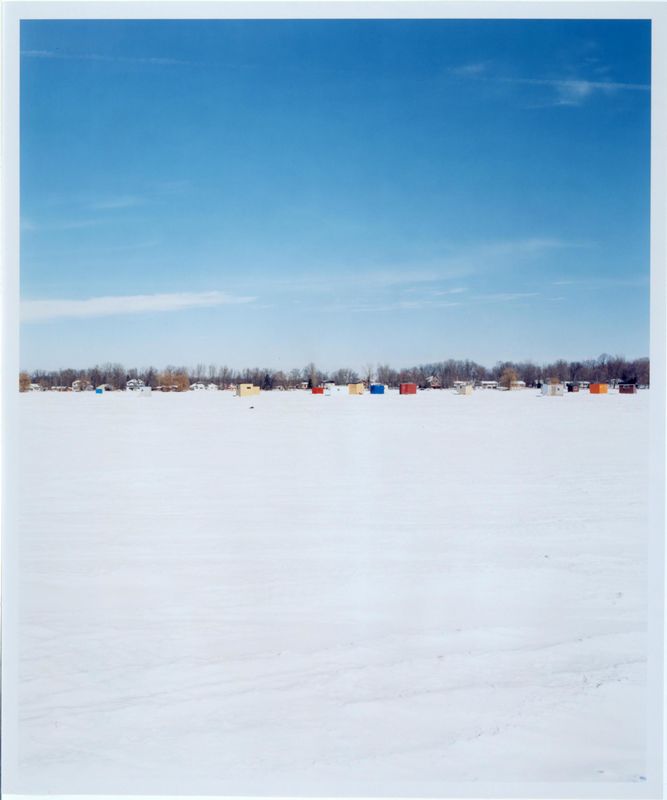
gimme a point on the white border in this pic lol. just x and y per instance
(14, 11)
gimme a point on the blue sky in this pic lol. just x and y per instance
(345, 192)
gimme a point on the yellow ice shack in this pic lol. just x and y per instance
(246, 390)
(355, 388)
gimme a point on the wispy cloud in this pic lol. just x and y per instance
(602, 283)
(59, 54)
(574, 92)
(121, 201)
(455, 265)
(398, 305)
(456, 290)
(428, 303)
(504, 297)
(473, 70)
(566, 91)
(42, 310)
(29, 225)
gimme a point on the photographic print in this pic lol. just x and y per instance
(333, 405)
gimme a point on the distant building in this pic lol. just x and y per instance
(517, 385)
(553, 389)
(464, 388)
(247, 390)
(35, 387)
(80, 385)
(133, 384)
(627, 388)
(212, 387)
(197, 387)
(488, 384)
(433, 382)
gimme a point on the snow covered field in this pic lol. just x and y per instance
(330, 595)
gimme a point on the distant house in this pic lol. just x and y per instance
(488, 384)
(35, 387)
(197, 387)
(598, 388)
(433, 382)
(247, 390)
(80, 385)
(133, 384)
(212, 387)
(517, 385)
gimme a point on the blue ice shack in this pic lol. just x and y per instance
(99, 391)
(377, 388)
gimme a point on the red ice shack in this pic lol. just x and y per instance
(408, 388)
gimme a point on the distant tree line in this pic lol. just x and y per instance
(605, 368)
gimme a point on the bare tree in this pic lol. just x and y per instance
(508, 377)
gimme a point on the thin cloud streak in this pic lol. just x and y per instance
(43, 310)
(122, 201)
(569, 91)
(468, 260)
(29, 226)
(579, 86)
(503, 297)
(601, 283)
(55, 54)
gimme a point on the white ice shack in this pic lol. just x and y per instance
(144, 391)
(553, 389)
(464, 388)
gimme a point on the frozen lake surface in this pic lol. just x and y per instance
(331, 595)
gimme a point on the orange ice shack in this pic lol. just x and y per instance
(598, 388)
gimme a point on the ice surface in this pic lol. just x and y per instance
(331, 595)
